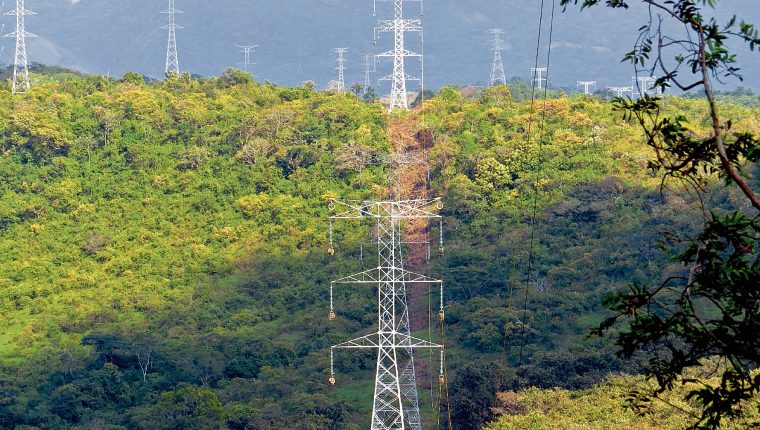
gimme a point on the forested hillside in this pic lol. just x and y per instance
(163, 247)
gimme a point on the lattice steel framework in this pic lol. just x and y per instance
(369, 68)
(247, 51)
(399, 27)
(172, 57)
(341, 82)
(645, 85)
(537, 77)
(620, 91)
(587, 85)
(395, 403)
(21, 80)
(498, 77)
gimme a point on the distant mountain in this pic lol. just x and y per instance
(297, 38)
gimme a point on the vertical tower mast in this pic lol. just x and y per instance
(538, 77)
(341, 82)
(369, 67)
(395, 404)
(399, 27)
(586, 86)
(21, 80)
(498, 77)
(172, 58)
(247, 50)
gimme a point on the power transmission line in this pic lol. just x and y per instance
(21, 80)
(247, 51)
(538, 79)
(340, 83)
(395, 403)
(399, 27)
(586, 86)
(369, 68)
(498, 77)
(172, 57)
(620, 91)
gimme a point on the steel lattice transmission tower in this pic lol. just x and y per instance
(620, 91)
(341, 82)
(537, 76)
(586, 86)
(369, 68)
(399, 26)
(395, 402)
(247, 51)
(172, 58)
(21, 80)
(645, 85)
(498, 77)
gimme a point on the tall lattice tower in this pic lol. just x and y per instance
(538, 78)
(247, 51)
(21, 80)
(369, 67)
(341, 68)
(587, 85)
(172, 57)
(395, 402)
(498, 77)
(399, 27)
(646, 85)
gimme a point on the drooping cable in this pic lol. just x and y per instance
(539, 164)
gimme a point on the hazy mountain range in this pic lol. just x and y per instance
(297, 38)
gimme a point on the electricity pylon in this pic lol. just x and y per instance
(537, 77)
(247, 50)
(620, 91)
(645, 85)
(395, 402)
(341, 82)
(172, 58)
(498, 77)
(586, 86)
(21, 80)
(399, 27)
(369, 68)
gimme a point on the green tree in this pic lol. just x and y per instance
(713, 308)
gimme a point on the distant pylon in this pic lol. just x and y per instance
(538, 78)
(341, 82)
(399, 27)
(586, 86)
(645, 85)
(172, 58)
(369, 67)
(247, 50)
(620, 91)
(498, 77)
(21, 80)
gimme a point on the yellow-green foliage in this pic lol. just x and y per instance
(603, 408)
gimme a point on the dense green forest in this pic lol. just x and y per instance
(163, 257)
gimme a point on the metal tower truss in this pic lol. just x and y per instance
(498, 77)
(538, 77)
(369, 68)
(395, 405)
(645, 85)
(247, 51)
(172, 57)
(587, 85)
(620, 91)
(399, 27)
(21, 80)
(341, 82)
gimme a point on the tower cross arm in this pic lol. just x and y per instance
(400, 340)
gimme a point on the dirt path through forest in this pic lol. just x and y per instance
(405, 136)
